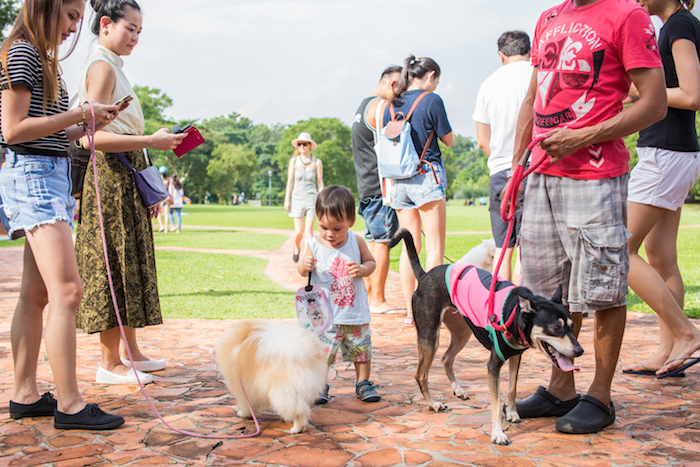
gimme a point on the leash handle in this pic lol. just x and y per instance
(91, 141)
(508, 208)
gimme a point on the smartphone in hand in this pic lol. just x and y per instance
(124, 103)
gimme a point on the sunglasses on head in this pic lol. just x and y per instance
(302, 144)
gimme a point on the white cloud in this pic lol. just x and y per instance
(281, 61)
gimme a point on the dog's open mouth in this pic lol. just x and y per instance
(560, 361)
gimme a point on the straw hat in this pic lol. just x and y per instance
(304, 136)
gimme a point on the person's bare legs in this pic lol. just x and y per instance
(55, 263)
(25, 334)
(362, 371)
(660, 246)
(376, 282)
(133, 346)
(505, 271)
(607, 340)
(659, 284)
(433, 217)
(409, 219)
(298, 234)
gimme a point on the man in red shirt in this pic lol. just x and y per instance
(586, 53)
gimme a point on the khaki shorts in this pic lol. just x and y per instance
(574, 235)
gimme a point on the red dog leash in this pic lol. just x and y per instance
(91, 141)
(508, 208)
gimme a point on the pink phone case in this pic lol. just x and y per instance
(193, 139)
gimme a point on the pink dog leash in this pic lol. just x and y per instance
(91, 141)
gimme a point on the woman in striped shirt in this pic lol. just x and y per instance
(35, 128)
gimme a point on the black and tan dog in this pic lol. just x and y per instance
(538, 322)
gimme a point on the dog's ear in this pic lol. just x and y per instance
(525, 299)
(557, 295)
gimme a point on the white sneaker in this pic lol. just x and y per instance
(107, 377)
(146, 365)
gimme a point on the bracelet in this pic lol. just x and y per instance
(83, 111)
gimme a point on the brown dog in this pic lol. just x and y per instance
(538, 322)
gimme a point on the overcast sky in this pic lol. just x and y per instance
(284, 61)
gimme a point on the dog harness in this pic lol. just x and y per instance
(468, 287)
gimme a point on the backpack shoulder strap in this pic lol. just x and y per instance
(415, 103)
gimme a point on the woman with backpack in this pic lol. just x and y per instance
(419, 201)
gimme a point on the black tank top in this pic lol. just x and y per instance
(363, 153)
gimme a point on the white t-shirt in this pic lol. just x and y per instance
(498, 104)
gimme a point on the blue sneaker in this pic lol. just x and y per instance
(365, 390)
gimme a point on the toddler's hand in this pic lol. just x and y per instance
(354, 269)
(309, 263)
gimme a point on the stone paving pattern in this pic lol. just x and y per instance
(657, 420)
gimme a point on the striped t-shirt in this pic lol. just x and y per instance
(24, 69)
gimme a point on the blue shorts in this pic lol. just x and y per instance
(381, 222)
(35, 190)
(414, 192)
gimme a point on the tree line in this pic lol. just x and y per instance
(240, 156)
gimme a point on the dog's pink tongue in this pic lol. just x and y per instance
(565, 364)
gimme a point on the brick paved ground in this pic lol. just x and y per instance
(657, 420)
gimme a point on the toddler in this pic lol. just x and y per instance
(338, 262)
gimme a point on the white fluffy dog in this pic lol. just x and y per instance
(282, 368)
(481, 255)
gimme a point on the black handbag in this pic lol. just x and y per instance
(148, 181)
(79, 159)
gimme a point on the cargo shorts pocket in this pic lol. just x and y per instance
(607, 263)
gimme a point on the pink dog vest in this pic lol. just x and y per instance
(469, 291)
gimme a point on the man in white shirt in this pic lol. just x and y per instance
(496, 114)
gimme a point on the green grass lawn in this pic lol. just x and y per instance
(221, 240)
(198, 285)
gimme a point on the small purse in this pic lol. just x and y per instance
(148, 181)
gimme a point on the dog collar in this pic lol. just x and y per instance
(506, 334)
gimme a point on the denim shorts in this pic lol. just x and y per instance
(574, 235)
(381, 222)
(414, 192)
(35, 190)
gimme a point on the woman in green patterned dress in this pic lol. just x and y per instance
(117, 23)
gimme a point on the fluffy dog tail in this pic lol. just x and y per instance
(410, 249)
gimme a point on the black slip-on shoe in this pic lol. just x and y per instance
(589, 416)
(44, 407)
(323, 398)
(90, 418)
(543, 404)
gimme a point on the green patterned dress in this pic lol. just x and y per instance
(129, 244)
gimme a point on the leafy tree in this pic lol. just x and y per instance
(153, 102)
(8, 13)
(230, 169)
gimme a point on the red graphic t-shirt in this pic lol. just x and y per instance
(582, 55)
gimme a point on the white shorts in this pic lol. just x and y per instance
(663, 178)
